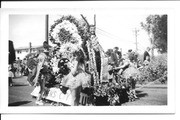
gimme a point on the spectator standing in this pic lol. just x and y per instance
(146, 55)
(110, 66)
(11, 75)
(115, 57)
(42, 65)
(119, 54)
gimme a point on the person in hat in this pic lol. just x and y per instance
(11, 75)
(115, 57)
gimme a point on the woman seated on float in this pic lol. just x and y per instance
(76, 79)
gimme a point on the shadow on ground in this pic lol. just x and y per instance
(19, 103)
(141, 94)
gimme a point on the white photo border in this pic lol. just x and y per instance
(158, 8)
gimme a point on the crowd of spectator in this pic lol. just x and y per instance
(17, 69)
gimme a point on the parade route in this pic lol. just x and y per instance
(150, 95)
(20, 94)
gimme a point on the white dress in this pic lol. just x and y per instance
(11, 74)
(80, 79)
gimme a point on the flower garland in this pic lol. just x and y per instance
(92, 64)
(102, 63)
(96, 46)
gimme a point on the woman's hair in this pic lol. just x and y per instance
(45, 45)
(64, 69)
(45, 42)
(79, 56)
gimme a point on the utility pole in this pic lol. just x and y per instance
(47, 28)
(30, 47)
(136, 34)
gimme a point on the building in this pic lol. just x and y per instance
(21, 52)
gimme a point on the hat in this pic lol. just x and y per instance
(116, 48)
(130, 50)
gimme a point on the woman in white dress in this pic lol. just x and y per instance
(76, 79)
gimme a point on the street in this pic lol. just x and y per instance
(150, 95)
(20, 94)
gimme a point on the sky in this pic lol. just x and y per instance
(113, 29)
(26, 28)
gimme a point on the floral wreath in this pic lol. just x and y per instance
(71, 25)
(71, 34)
(66, 32)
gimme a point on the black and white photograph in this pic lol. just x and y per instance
(89, 58)
(89, 63)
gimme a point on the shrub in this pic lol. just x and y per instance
(156, 70)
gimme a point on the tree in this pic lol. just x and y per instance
(156, 27)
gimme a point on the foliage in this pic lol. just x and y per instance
(110, 90)
(156, 27)
(156, 70)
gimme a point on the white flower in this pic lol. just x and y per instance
(68, 49)
(71, 28)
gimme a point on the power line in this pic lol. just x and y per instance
(113, 37)
(110, 37)
(103, 32)
(107, 32)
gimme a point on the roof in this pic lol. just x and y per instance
(27, 48)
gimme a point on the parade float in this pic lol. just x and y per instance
(75, 37)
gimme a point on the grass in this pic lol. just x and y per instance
(150, 96)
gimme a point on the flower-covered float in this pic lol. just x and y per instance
(76, 67)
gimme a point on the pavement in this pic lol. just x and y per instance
(19, 93)
(150, 94)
